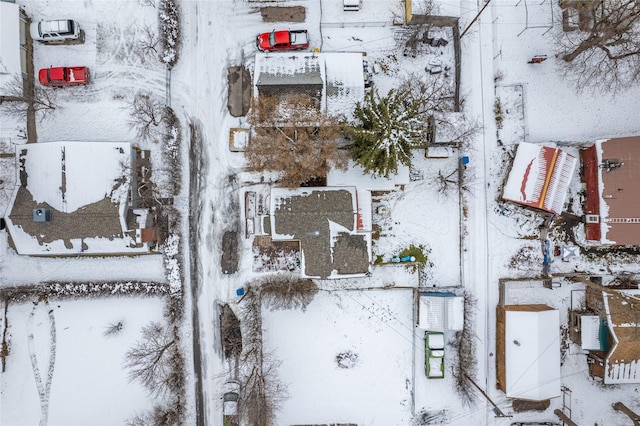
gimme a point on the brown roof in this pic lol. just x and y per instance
(621, 191)
(96, 220)
(624, 322)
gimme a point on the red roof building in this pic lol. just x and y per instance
(611, 172)
(539, 177)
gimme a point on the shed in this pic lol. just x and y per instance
(540, 177)
(528, 351)
(441, 312)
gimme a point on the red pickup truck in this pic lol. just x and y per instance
(283, 40)
(63, 76)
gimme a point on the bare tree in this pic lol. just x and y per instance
(446, 182)
(434, 98)
(157, 416)
(262, 390)
(464, 370)
(293, 137)
(114, 328)
(283, 291)
(20, 99)
(147, 43)
(606, 54)
(155, 360)
(146, 114)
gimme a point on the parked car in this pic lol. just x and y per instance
(230, 399)
(434, 354)
(63, 76)
(55, 31)
(283, 40)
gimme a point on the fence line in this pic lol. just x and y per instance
(167, 90)
(358, 24)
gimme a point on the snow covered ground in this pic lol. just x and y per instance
(473, 242)
(64, 370)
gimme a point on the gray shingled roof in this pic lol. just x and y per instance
(307, 218)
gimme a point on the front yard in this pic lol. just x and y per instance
(78, 367)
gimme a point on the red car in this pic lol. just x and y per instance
(63, 76)
(283, 40)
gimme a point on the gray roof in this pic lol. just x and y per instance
(289, 70)
(312, 216)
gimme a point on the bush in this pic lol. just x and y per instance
(169, 22)
(417, 253)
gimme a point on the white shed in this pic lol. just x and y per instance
(441, 312)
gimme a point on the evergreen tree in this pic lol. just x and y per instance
(391, 127)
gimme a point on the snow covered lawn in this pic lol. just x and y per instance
(423, 216)
(61, 362)
(347, 359)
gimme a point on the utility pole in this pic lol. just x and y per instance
(475, 18)
(498, 412)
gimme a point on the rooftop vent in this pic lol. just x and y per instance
(611, 164)
(41, 215)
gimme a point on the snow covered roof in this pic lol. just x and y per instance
(532, 352)
(345, 82)
(539, 177)
(9, 43)
(288, 69)
(354, 175)
(340, 76)
(590, 333)
(333, 238)
(441, 312)
(623, 361)
(612, 170)
(84, 186)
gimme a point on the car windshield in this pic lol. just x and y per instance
(272, 38)
(230, 396)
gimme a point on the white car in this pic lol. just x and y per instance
(55, 31)
(230, 398)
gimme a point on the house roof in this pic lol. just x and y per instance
(441, 312)
(85, 186)
(532, 352)
(9, 43)
(354, 175)
(326, 222)
(623, 317)
(288, 69)
(612, 170)
(539, 177)
(339, 76)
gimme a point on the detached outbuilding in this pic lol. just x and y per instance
(441, 312)
(528, 351)
(540, 177)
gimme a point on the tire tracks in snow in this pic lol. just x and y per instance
(44, 389)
